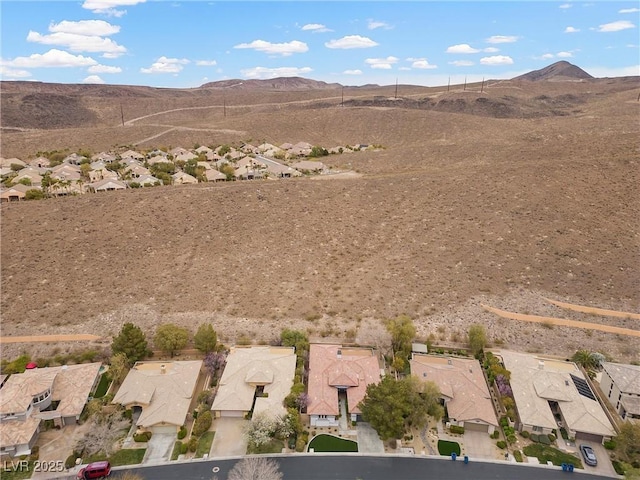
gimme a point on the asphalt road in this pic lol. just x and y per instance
(344, 467)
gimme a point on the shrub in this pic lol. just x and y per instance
(610, 444)
(193, 444)
(552, 437)
(534, 437)
(202, 424)
(509, 431)
(182, 432)
(70, 462)
(300, 444)
(544, 439)
(142, 437)
(518, 456)
(456, 429)
(511, 439)
(504, 422)
(524, 434)
(501, 444)
(495, 434)
(184, 448)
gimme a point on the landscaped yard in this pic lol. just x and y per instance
(127, 456)
(545, 453)
(329, 443)
(204, 444)
(14, 471)
(103, 386)
(447, 448)
(274, 446)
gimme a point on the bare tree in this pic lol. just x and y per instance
(255, 468)
(103, 433)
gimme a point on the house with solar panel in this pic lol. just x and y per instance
(551, 394)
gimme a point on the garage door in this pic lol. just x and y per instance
(232, 413)
(476, 427)
(589, 437)
(167, 429)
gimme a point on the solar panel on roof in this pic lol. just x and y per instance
(583, 387)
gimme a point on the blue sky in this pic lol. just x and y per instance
(188, 43)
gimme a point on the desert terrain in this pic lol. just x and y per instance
(497, 197)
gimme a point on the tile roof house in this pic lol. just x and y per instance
(184, 157)
(131, 154)
(621, 384)
(74, 159)
(214, 175)
(463, 389)
(15, 193)
(309, 166)
(7, 162)
(181, 178)
(104, 157)
(162, 391)
(264, 374)
(146, 180)
(550, 393)
(33, 175)
(338, 378)
(53, 393)
(107, 184)
(40, 162)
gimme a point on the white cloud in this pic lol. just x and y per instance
(602, 72)
(616, 26)
(352, 72)
(462, 48)
(108, 7)
(571, 30)
(564, 54)
(284, 49)
(547, 56)
(104, 69)
(381, 63)
(629, 10)
(52, 58)
(6, 72)
(502, 39)
(93, 79)
(206, 63)
(315, 28)
(565, 5)
(373, 24)
(351, 41)
(421, 64)
(166, 65)
(91, 28)
(266, 73)
(461, 63)
(490, 50)
(497, 60)
(79, 43)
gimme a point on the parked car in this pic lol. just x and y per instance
(95, 470)
(589, 455)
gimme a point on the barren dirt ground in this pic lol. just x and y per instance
(457, 211)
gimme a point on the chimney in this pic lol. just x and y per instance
(163, 369)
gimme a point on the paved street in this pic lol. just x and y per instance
(350, 467)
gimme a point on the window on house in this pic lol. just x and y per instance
(537, 429)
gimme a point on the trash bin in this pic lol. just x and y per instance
(453, 456)
(571, 467)
(565, 467)
(466, 459)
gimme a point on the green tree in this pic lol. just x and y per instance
(392, 405)
(318, 152)
(170, 337)
(205, 338)
(118, 367)
(34, 194)
(132, 342)
(628, 442)
(585, 359)
(402, 333)
(224, 149)
(477, 337)
(228, 170)
(295, 338)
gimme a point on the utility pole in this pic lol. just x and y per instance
(224, 103)
(342, 101)
(449, 83)
(396, 95)
(465, 83)
(482, 87)
(121, 114)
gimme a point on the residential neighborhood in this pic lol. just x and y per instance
(297, 396)
(76, 173)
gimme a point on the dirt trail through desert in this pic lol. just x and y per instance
(562, 322)
(594, 310)
(51, 338)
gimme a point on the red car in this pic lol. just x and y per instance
(95, 470)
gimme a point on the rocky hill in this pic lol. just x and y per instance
(557, 72)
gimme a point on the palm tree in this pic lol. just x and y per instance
(585, 359)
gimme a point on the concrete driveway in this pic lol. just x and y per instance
(368, 439)
(159, 448)
(480, 445)
(229, 439)
(604, 466)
